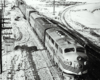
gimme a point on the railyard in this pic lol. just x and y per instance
(20, 62)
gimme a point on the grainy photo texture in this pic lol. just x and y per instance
(50, 40)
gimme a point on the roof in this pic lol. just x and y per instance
(30, 9)
(43, 21)
(63, 40)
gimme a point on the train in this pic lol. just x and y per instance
(66, 53)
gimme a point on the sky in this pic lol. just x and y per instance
(89, 1)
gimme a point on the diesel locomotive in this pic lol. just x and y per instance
(66, 53)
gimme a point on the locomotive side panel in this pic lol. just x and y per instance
(32, 21)
(51, 46)
(41, 26)
(39, 31)
(62, 52)
(33, 15)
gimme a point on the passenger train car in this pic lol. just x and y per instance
(67, 54)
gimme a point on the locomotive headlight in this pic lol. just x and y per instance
(80, 73)
(85, 63)
(76, 65)
(79, 58)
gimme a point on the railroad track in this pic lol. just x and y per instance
(90, 46)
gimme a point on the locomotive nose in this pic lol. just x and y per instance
(82, 63)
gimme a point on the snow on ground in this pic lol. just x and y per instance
(45, 9)
(85, 17)
(12, 59)
(96, 14)
(6, 61)
(43, 70)
(88, 1)
(19, 77)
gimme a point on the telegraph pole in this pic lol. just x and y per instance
(2, 22)
(53, 7)
(1, 12)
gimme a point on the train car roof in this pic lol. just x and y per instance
(30, 8)
(43, 20)
(63, 40)
(45, 23)
(35, 15)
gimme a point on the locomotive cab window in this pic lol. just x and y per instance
(56, 45)
(49, 38)
(69, 50)
(52, 41)
(80, 49)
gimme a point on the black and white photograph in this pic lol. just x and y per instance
(50, 39)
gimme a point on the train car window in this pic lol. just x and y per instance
(56, 45)
(52, 41)
(69, 50)
(80, 49)
(49, 38)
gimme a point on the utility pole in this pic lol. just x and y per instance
(2, 22)
(1, 12)
(53, 7)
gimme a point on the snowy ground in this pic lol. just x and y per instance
(31, 67)
(89, 17)
(84, 19)
(47, 9)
